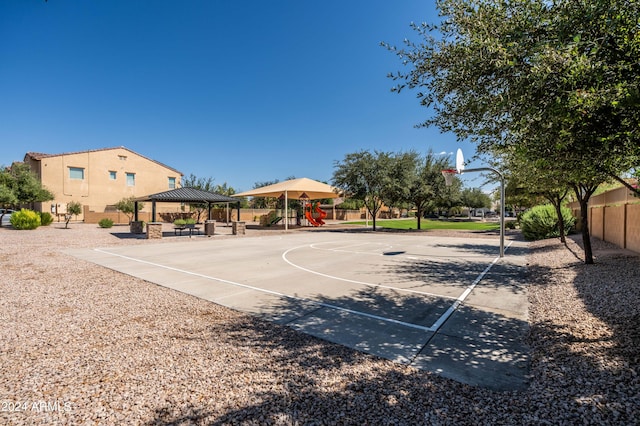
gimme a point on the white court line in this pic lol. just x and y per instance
(443, 318)
(348, 246)
(434, 328)
(464, 295)
(299, 299)
(333, 277)
(344, 249)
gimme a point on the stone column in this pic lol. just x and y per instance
(154, 230)
(238, 228)
(137, 227)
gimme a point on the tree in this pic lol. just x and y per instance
(19, 185)
(528, 183)
(224, 189)
(401, 171)
(450, 198)
(518, 195)
(366, 176)
(426, 185)
(264, 202)
(74, 208)
(7, 198)
(556, 83)
(204, 184)
(128, 207)
(474, 198)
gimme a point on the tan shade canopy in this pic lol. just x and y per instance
(295, 188)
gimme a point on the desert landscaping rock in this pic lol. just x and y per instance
(82, 344)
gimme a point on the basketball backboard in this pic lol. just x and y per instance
(459, 161)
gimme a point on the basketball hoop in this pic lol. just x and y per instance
(448, 176)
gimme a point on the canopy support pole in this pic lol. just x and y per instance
(286, 212)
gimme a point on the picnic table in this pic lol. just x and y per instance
(192, 228)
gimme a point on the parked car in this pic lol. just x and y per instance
(6, 216)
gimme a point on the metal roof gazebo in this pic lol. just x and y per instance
(185, 195)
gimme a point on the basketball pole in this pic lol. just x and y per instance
(448, 175)
(502, 210)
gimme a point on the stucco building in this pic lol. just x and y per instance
(99, 178)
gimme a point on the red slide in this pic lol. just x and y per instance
(322, 214)
(310, 218)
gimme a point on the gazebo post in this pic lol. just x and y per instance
(286, 211)
(153, 211)
(135, 211)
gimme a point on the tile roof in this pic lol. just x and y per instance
(40, 155)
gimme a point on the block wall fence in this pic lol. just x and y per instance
(614, 216)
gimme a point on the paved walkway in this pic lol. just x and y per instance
(443, 304)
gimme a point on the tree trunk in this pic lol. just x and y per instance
(419, 216)
(372, 212)
(583, 193)
(586, 237)
(556, 201)
(558, 207)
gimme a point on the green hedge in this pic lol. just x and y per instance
(541, 222)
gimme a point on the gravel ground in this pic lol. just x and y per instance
(81, 344)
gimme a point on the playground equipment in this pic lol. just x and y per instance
(320, 214)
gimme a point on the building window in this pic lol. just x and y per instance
(76, 173)
(122, 157)
(112, 175)
(172, 183)
(131, 179)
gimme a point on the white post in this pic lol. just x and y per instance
(286, 212)
(489, 169)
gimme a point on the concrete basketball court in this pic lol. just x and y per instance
(443, 304)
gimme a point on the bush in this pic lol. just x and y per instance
(25, 219)
(179, 222)
(190, 221)
(105, 223)
(541, 222)
(510, 224)
(45, 219)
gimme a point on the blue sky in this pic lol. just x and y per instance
(240, 91)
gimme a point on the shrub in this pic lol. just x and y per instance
(73, 208)
(25, 219)
(128, 207)
(541, 222)
(190, 221)
(45, 218)
(179, 222)
(105, 223)
(510, 224)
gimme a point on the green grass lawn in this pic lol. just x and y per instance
(432, 224)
